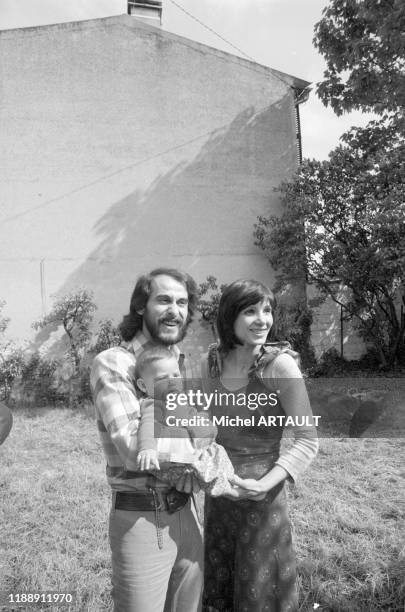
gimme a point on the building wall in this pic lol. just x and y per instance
(123, 148)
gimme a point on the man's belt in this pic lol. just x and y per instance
(151, 500)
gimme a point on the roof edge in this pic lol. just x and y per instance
(133, 23)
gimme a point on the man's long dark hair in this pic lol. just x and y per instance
(132, 322)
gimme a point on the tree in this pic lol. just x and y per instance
(4, 321)
(363, 44)
(344, 218)
(208, 302)
(344, 226)
(107, 336)
(74, 312)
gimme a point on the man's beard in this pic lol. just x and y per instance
(158, 335)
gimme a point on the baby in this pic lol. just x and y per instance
(170, 449)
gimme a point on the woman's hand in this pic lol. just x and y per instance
(248, 488)
(237, 494)
(258, 489)
(254, 489)
(249, 484)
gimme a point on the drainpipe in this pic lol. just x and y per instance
(301, 96)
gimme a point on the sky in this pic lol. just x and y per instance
(276, 33)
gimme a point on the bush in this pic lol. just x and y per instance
(11, 358)
(293, 323)
(107, 336)
(11, 367)
(38, 384)
(330, 363)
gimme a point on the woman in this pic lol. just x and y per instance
(250, 563)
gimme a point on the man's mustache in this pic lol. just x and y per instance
(171, 320)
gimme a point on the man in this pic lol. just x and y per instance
(156, 543)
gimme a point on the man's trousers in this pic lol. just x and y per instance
(147, 578)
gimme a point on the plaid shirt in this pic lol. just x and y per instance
(117, 406)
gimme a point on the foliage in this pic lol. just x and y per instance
(83, 389)
(74, 312)
(11, 358)
(209, 296)
(107, 336)
(38, 382)
(44, 382)
(344, 225)
(330, 364)
(363, 44)
(292, 322)
(11, 367)
(4, 321)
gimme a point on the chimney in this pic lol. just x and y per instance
(147, 10)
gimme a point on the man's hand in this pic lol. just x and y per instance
(147, 460)
(188, 483)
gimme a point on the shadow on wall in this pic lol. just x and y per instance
(202, 208)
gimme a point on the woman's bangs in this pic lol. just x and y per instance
(254, 296)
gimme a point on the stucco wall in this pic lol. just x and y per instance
(123, 148)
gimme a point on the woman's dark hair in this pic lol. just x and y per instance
(236, 297)
(132, 322)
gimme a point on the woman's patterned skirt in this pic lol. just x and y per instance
(249, 558)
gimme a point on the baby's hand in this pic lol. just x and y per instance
(147, 460)
(201, 443)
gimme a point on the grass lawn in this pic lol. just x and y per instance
(347, 511)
